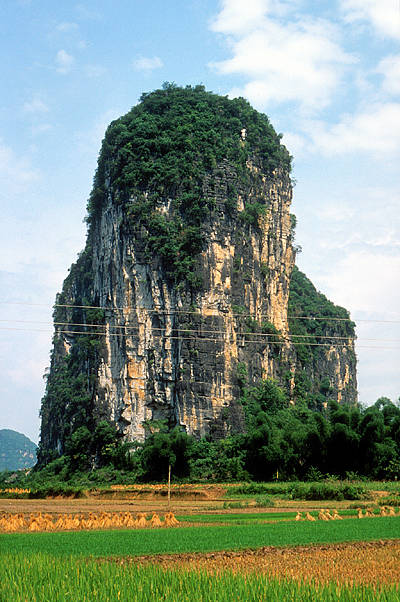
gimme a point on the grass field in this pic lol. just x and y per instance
(200, 539)
(239, 518)
(43, 578)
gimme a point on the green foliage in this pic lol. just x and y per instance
(242, 375)
(268, 328)
(267, 397)
(77, 447)
(164, 149)
(327, 491)
(69, 420)
(163, 448)
(252, 213)
(16, 451)
(251, 489)
(221, 460)
(315, 323)
(264, 269)
(281, 441)
(264, 501)
(60, 489)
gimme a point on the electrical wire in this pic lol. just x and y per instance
(141, 325)
(193, 330)
(195, 338)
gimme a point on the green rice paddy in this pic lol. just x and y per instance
(200, 539)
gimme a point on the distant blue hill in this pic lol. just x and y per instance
(16, 451)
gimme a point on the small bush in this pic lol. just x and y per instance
(327, 491)
(313, 475)
(259, 489)
(264, 501)
(390, 500)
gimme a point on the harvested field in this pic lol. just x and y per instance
(226, 542)
(369, 563)
(11, 523)
(61, 505)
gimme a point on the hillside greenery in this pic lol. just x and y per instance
(281, 442)
(314, 321)
(163, 151)
(67, 406)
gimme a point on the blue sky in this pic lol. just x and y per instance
(326, 73)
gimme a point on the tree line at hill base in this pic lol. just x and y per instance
(285, 442)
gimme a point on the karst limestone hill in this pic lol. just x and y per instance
(16, 451)
(187, 290)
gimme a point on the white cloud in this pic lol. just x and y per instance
(16, 173)
(374, 130)
(365, 280)
(337, 211)
(40, 128)
(299, 60)
(383, 15)
(354, 218)
(95, 70)
(64, 62)
(389, 67)
(36, 105)
(29, 370)
(89, 140)
(143, 63)
(238, 17)
(86, 13)
(67, 27)
(295, 143)
(235, 17)
(387, 238)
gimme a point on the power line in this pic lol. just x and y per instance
(288, 336)
(195, 338)
(197, 312)
(193, 330)
(141, 325)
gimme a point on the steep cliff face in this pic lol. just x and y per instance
(182, 292)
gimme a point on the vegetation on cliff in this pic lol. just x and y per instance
(314, 324)
(68, 404)
(293, 442)
(164, 149)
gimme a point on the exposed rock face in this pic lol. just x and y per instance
(180, 347)
(179, 351)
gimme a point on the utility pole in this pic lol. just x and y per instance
(169, 486)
